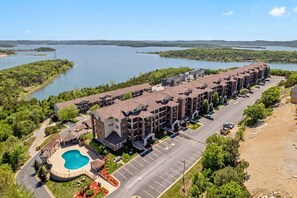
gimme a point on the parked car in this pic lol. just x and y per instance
(229, 125)
(225, 131)
(258, 86)
(117, 159)
(183, 128)
(251, 91)
(208, 116)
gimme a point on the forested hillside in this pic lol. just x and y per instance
(233, 55)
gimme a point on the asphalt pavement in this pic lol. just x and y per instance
(150, 174)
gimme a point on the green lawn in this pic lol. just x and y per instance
(176, 189)
(67, 189)
(194, 126)
(47, 140)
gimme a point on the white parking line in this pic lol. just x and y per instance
(158, 151)
(132, 166)
(154, 189)
(124, 168)
(144, 160)
(119, 172)
(154, 154)
(174, 171)
(160, 147)
(148, 193)
(170, 175)
(160, 184)
(190, 156)
(151, 159)
(188, 161)
(165, 179)
(137, 163)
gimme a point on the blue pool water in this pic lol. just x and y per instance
(74, 159)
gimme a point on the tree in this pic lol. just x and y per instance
(43, 174)
(68, 113)
(200, 181)
(229, 190)
(226, 175)
(255, 112)
(37, 165)
(127, 96)
(213, 157)
(270, 96)
(244, 91)
(8, 188)
(94, 107)
(5, 131)
(205, 106)
(215, 99)
(230, 148)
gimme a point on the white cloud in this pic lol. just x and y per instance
(228, 13)
(278, 11)
(295, 9)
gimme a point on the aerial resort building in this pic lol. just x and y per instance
(103, 99)
(138, 119)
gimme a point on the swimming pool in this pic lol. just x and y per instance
(74, 159)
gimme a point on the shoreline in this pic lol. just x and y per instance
(3, 55)
(31, 90)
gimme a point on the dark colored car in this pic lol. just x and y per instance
(208, 117)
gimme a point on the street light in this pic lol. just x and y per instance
(184, 188)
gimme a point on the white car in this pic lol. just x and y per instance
(229, 125)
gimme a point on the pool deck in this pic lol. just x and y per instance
(58, 162)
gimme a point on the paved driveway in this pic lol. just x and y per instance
(26, 177)
(152, 173)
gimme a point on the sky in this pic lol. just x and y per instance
(148, 20)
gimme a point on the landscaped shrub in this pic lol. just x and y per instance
(90, 193)
(51, 130)
(125, 157)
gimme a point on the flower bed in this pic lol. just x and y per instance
(104, 173)
(94, 188)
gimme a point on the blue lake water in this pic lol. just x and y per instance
(98, 64)
(74, 159)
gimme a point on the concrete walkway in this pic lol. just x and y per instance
(39, 138)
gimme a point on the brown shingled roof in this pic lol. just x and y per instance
(94, 98)
(153, 100)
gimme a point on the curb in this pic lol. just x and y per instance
(46, 188)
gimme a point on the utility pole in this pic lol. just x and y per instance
(184, 182)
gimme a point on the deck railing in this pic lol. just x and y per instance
(72, 174)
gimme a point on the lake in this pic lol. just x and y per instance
(98, 64)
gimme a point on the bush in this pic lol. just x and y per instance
(51, 130)
(90, 193)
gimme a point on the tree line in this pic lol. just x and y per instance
(225, 54)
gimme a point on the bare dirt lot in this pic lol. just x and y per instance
(271, 150)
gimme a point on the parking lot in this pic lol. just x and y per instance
(165, 179)
(151, 173)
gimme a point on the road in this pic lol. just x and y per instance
(149, 175)
(26, 177)
(39, 137)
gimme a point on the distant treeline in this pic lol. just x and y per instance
(44, 49)
(6, 45)
(233, 55)
(7, 52)
(179, 43)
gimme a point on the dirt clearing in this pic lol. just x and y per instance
(271, 150)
